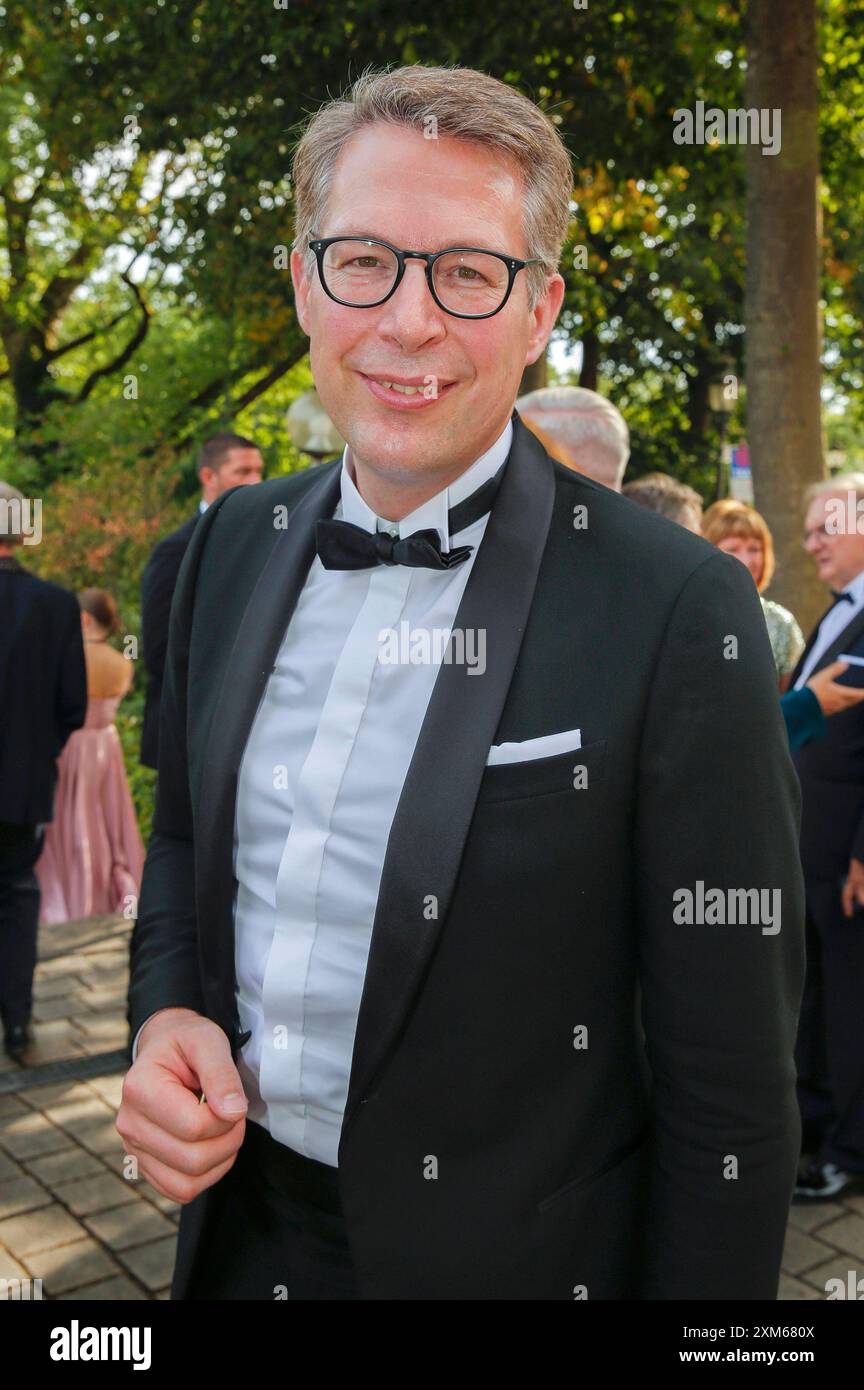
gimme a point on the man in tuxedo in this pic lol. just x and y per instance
(830, 1051)
(224, 461)
(43, 699)
(423, 921)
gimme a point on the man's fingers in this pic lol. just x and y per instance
(191, 1157)
(153, 1090)
(178, 1186)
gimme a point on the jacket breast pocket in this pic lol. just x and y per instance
(573, 771)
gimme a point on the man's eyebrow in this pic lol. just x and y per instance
(464, 241)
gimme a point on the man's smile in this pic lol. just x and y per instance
(407, 393)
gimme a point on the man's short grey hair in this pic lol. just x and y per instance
(11, 506)
(829, 487)
(586, 424)
(458, 102)
(661, 493)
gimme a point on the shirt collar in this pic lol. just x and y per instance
(202, 505)
(432, 513)
(855, 588)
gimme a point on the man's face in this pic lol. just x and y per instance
(422, 195)
(239, 466)
(838, 550)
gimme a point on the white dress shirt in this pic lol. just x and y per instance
(318, 787)
(835, 621)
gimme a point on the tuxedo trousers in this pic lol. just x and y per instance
(274, 1229)
(20, 847)
(830, 1047)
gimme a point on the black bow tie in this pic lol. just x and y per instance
(840, 596)
(343, 546)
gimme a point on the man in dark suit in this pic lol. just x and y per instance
(427, 934)
(43, 698)
(224, 461)
(830, 1051)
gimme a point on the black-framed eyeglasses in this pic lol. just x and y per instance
(466, 281)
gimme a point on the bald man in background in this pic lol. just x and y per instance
(581, 429)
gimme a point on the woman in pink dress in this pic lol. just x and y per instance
(93, 855)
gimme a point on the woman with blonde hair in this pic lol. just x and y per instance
(741, 531)
(93, 856)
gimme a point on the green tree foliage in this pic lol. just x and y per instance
(163, 132)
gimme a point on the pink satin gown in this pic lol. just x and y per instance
(93, 856)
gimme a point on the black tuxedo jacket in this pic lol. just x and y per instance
(831, 771)
(43, 691)
(567, 1159)
(158, 582)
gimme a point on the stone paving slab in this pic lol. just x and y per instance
(71, 1267)
(70, 1217)
(67, 1213)
(21, 1195)
(120, 1288)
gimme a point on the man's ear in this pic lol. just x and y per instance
(301, 290)
(543, 317)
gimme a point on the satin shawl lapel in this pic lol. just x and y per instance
(847, 637)
(809, 645)
(437, 802)
(253, 656)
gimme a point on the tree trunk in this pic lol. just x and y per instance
(782, 289)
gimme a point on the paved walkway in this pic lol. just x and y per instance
(69, 1216)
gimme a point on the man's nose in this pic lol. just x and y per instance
(411, 314)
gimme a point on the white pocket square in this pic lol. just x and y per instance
(566, 742)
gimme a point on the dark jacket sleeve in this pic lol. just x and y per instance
(718, 803)
(158, 583)
(803, 715)
(858, 842)
(71, 703)
(164, 970)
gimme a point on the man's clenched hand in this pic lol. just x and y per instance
(182, 1146)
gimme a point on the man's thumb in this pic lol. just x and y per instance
(219, 1079)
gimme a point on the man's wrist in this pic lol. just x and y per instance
(178, 1012)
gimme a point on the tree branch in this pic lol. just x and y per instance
(63, 285)
(123, 357)
(213, 391)
(51, 354)
(262, 384)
